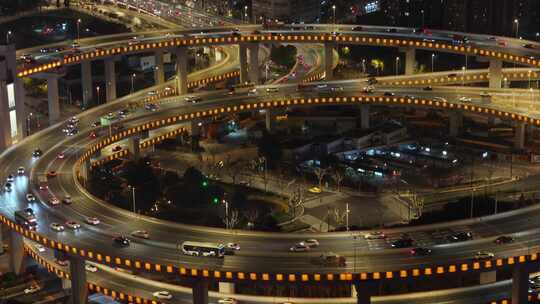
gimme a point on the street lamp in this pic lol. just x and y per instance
(28, 119)
(246, 13)
(132, 83)
(8, 34)
(432, 63)
(78, 30)
(516, 22)
(463, 77)
(133, 197)
(334, 10)
(423, 19)
(397, 65)
(97, 89)
(226, 214)
(347, 211)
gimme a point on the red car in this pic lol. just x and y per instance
(93, 134)
(116, 149)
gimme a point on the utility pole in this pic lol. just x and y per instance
(347, 210)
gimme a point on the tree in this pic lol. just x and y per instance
(296, 200)
(269, 147)
(233, 219)
(378, 65)
(283, 55)
(320, 173)
(338, 178)
(339, 216)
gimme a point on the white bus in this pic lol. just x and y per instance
(203, 249)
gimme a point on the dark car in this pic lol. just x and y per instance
(121, 241)
(389, 94)
(403, 242)
(428, 88)
(460, 237)
(504, 239)
(37, 153)
(357, 28)
(421, 251)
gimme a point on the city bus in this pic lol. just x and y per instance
(26, 218)
(203, 249)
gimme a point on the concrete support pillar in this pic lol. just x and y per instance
(242, 55)
(86, 80)
(52, 98)
(364, 291)
(410, 60)
(159, 70)
(200, 291)
(134, 148)
(329, 61)
(110, 80)
(10, 59)
(455, 123)
(181, 69)
(364, 117)
(495, 73)
(195, 134)
(253, 63)
(85, 171)
(519, 136)
(520, 285)
(270, 120)
(77, 270)
(226, 287)
(16, 252)
(2, 239)
(5, 126)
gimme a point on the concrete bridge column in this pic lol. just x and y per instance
(242, 55)
(52, 98)
(133, 147)
(181, 69)
(200, 291)
(86, 80)
(5, 126)
(253, 63)
(226, 287)
(455, 123)
(10, 61)
(159, 70)
(495, 73)
(16, 252)
(79, 292)
(364, 117)
(85, 171)
(110, 80)
(519, 136)
(329, 61)
(269, 120)
(520, 285)
(195, 134)
(410, 59)
(364, 291)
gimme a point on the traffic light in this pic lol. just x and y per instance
(204, 183)
(215, 200)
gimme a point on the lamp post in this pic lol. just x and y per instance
(79, 30)
(516, 22)
(397, 65)
(423, 18)
(97, 89)
(432, 63)
(226, 214)
(133, 198)
(246, 13)
(132, 83)
(334, 13)
(347, 211)
(28, 119)
(463, 69)
(8, 34)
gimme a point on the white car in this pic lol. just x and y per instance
(57, 227)
(163, 295)
(30, 198)
(227, 301)
(73, 225)
(465, 99)
(20, 171)
(40, 248)
(67, 200)
(62, 262)
(300, 248)
(92, 220)
(90, 268)
(141, 234)
(484, 255)
(33, 288)
(310, 243)
(374, 235)
(233, 246)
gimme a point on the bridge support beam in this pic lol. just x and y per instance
(364, 117)
(86, 80)
(133, 146)
(10, 61)
(242, 55)
(181, 70)
(495, 73)
(253, 62)
(5, 126)
(329, 61)
(410, 59)
(520, 285)
(79, 293)
(200, 291)
(195, 134)
(269, 120)
(455, 123)
(52, 98)
(364, 291)
(159, 69)
(519, 136)
(226, 287)
(110, 80)
(16, 252)
(487, 277)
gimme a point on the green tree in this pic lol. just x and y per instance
(283, 55)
